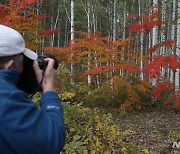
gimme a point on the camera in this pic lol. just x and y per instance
(28, 82)
(43, 64)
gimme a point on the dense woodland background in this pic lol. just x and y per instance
(113, 54)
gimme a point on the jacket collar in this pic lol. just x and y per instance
(11, 75)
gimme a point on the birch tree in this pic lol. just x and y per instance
(178, 48)
(89, 30)
(141, 42)
(55, 24)
(162, 51)
(124, 19)
(87, 9)
(173, 33)
(114, 20)
(72, 39)
(154, 35)
(155, 29)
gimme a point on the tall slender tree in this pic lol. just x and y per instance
(173, 33)
(72, 39)
(154, 34)
(141, 40)
(178, 48)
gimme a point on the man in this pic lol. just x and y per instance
(24, 128)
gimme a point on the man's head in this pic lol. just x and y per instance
(12, 49)
(12, 62)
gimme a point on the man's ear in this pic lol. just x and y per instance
(9, 64)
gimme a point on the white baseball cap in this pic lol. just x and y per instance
(12, 43)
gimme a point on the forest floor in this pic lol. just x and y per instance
(155, 128)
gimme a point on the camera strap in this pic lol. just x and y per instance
(39, 86)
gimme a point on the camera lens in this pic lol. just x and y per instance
(41, 62)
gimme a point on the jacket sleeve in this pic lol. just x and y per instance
(32, 130)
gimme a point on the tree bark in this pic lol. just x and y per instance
(72, 39)
(154, 38)
(173, 35)
(178, 49)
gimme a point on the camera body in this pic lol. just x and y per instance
(28, 82)
(43, 64)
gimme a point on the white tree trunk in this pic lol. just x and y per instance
(94, 20)
(162, 52)
(141, 43)
(52, 21)
(173, 26)
(150, 34)
(154, 38)
(124, 31)
(124, 20)
(89, 30)
(178, 49)
(114, 20)
(68, 20)
(155, 29)
(72, 38)
(55, 26)
(87, 9)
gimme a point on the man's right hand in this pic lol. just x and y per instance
(50, 76)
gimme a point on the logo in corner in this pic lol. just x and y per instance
(176, 145)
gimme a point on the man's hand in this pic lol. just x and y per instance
(50, 77)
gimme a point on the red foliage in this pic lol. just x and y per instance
(26, 2)
(153, 69)
(155, 47)
(60, 53)
(132, 16)
(90, 41)
(170, 100)
(144, 17)
(2, 13)
(47, 33)
(175, 99)
(155, 15)
(146, 26)
(101, 69)
(123, 43)
(149, 21)
(21, 16)
(174, 62)
(169, 43)
(98, 70)
(161, 88)
(128, 67)
(164, 93)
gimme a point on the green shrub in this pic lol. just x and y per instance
(89, 132)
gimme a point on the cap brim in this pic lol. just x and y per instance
(30, 54)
